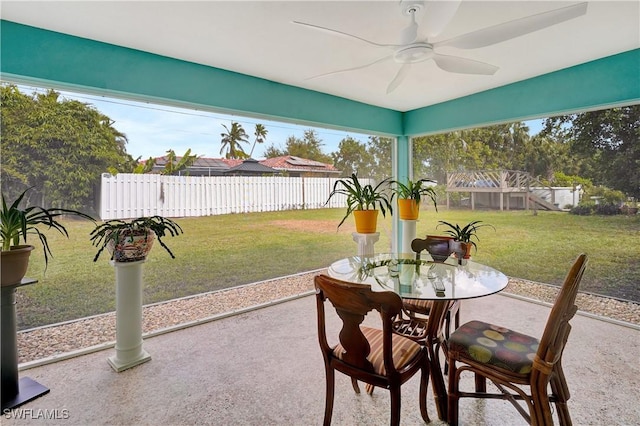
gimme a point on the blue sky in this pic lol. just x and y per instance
(154, 129)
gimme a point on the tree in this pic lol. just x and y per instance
(60, 147)
(352, 158)
(273, 152)
(605, 143)
(231, 141)
(309, 147)
(261, 135)
(380, 150)
(175, 164)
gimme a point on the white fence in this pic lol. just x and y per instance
(127, 196)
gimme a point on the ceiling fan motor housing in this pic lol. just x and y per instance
(413, 53)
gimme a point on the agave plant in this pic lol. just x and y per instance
(362, 197)
(17, 224)
(466, 233)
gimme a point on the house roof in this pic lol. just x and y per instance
(252, 166)
(290, 162)
(211, 164)
(270, 165)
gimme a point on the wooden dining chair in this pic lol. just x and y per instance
(374, 356)
(512, 360)
(414, 325)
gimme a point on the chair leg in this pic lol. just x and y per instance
(437, 381)
(561, 391)
(424, 387)
(447, 332)
(395, 405)
(354, 384)
(328, 407)
(453, 397)
(541, 412)
(481, 383)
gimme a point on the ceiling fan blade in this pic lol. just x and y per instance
(342, 34)
(351, 69)
(516, 28)
(463, 65)
(438, 14)
(399, 78)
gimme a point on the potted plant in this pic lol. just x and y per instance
(131, 241)
(363, 201)
(16, 224)
(464, 235)
(410, 195)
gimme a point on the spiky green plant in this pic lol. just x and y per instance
(414, 190)
(17, 224)
(466, 233)
(363, 197)
(113, 230)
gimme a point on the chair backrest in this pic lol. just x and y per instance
(557, 329)
(352, 302)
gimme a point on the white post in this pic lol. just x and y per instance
(129, 352)
(365, 243)
(408, 234)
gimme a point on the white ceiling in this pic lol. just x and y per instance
(259, 39)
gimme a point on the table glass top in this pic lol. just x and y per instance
(420, 279)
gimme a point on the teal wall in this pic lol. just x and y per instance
(610, 81)
(33, 55)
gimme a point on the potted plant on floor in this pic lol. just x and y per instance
(409, 197)
(464, 235)
(363, 201)
(16, 224)
(131, 241)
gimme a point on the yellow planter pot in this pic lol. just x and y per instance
(408, 209)
(366, 221)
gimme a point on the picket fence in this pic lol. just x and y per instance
(126, 196)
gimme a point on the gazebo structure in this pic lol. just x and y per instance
(502, 189)
(398, 70)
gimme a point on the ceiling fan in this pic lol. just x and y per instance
(412, 50)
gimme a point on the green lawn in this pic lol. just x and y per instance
(224, 251)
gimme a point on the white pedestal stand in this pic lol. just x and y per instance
(129, 352)
(408, 234)
(365, 243)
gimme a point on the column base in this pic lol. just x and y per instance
(120, 365)
(28, 390)
(365, 243)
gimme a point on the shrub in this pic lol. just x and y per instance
(584, 209)
(609, 196)
(607, 209)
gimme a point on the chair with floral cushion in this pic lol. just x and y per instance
(375, 356)
(512, 360)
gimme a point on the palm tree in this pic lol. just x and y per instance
(260, 134)
(231, 141)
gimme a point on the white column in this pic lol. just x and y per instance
(408, 234)
(129, 352)
(365, 243)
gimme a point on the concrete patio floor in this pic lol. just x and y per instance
(264, 367)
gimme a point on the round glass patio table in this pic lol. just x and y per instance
(421, 279)
(440, 282)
